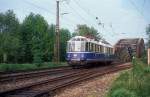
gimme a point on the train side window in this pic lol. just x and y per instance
(95, 47)
(86, 47)
(92, 47)
(89, 46)
(99, 48)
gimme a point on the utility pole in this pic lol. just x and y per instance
(57, 37)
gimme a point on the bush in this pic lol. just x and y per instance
(134, 83)
(121, 92)
(16, 67)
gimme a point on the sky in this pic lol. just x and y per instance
(119, 18)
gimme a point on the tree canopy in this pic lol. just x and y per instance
(9, 36)
(29, 42)
(84, 30)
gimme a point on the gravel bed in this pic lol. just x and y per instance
(24, 82)
(97, 87)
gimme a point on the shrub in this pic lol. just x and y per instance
(121, 92)
(134, 83)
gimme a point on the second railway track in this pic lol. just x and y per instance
(4, 77)
(43, 87)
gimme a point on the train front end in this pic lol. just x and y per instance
(76, 54)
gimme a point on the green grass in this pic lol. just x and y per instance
(133, 83)
(18, 67)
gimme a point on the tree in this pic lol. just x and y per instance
(34, 33)
(65, 35)
(31, 41)
(148, 33)
(9, 36)
(49, 43)
(90, 32)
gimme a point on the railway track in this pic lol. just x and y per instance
(43, 88)
(29, 74)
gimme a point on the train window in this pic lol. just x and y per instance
(78, 39)
(93, 47)
(97, 48)
(82, 46)
(101, 49)
(82, 39)
(90, 46)
(87, 46)
(71, 46)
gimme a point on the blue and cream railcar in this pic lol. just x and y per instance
(82, 50)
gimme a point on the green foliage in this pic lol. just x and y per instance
(144, 57)
(15, 67)
(9, 36)
(29, 42)
(121, 92)
(134, 83)
(84, 30)
(34, 30)
(65, 36)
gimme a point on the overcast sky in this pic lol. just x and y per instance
(121, 18)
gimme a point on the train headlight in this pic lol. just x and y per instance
(82, 55)
(69, 55)
(75, 55)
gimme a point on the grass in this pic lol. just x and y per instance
(18, 67)
(133, 83)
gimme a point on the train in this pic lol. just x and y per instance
(82, 51)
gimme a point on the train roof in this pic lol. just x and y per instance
(82, 38)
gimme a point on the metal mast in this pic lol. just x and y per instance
(57, 37)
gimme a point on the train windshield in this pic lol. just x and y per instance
(76, 46)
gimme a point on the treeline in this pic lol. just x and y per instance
(31, 41)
